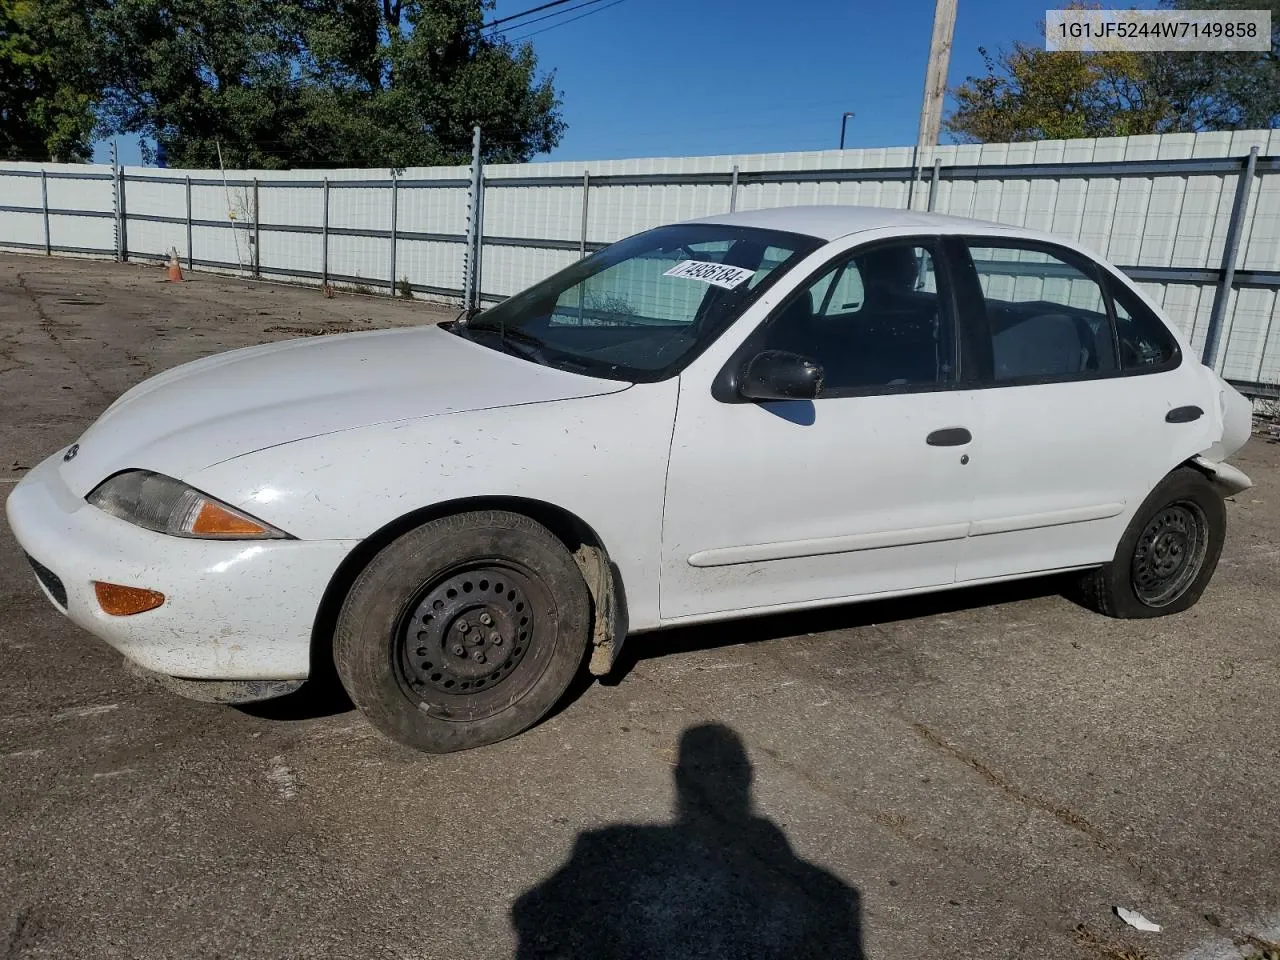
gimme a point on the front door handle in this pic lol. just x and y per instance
(949, 437)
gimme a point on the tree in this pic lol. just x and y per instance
(1028, 93)
(46, 91)
(1031, 94)
(1218, 90)
(304, 83)
(272, 83)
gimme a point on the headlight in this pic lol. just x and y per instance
(169, 506)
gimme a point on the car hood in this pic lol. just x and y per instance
(234, 403)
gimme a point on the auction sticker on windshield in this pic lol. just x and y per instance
(714, 273)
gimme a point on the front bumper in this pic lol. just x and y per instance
(233, 610)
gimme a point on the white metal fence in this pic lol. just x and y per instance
(1195, 218)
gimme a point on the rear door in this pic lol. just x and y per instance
(1070, 430)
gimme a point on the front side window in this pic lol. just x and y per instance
(642, 308)
(873, 320)
(1047, 316)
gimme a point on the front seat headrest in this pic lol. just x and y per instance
(889, 269)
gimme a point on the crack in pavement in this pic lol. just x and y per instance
(48, 326)
(937, 847)
(1062, 814)
(1140, 871)
(893, 823)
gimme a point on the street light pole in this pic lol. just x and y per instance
(844, 120)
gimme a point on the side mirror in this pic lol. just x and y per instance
(779, 375)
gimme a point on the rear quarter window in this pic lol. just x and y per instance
(1144, 341)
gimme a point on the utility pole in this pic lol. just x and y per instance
(935, 85)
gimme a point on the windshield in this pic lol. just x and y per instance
(643, 308)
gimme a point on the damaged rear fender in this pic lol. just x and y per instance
(1226, 479)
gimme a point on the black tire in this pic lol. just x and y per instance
(1167, 555)
(495, 585)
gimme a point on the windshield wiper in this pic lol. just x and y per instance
(531, 347)
(513, 340)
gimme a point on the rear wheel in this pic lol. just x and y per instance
(1168, 552)
(464, 631)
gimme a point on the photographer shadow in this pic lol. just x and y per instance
(718, 882)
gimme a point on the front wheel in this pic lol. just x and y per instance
(1168, 552)
(463, 632)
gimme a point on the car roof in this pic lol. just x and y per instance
(834, 221)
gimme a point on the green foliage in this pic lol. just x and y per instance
(274, 83)
(405, 288)
(46, 90)
(305, 83)
(1031, 94)
(1028, 93)
(1222, 91)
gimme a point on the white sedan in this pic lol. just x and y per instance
(763, 411)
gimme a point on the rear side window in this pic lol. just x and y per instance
(1145, 342)
(1046, 315)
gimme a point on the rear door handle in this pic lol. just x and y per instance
(949, 437)
(1183, 414)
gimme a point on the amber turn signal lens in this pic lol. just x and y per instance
(125, 601)
(216, 521)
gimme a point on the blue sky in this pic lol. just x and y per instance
(687, 77)
(684, 77)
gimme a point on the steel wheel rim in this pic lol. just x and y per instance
(1169, 553)
(497, 612)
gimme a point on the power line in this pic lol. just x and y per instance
(524, 13)
(534, 33)
(547, 16)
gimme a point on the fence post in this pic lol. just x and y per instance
(44, 207)
(582, 235)
(117, 200)
(470, 267)
(124, 220)
(395, 200)
(1228, 275)
(479, 272)
(257, 233)
(914, 178)
(190, 251)
(733, 190)
(933, 182)
(115, 205)
(324, 237)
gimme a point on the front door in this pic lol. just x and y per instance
(864, 490)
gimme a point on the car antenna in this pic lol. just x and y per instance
(467, 314)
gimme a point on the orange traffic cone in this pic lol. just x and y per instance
(174, 271)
